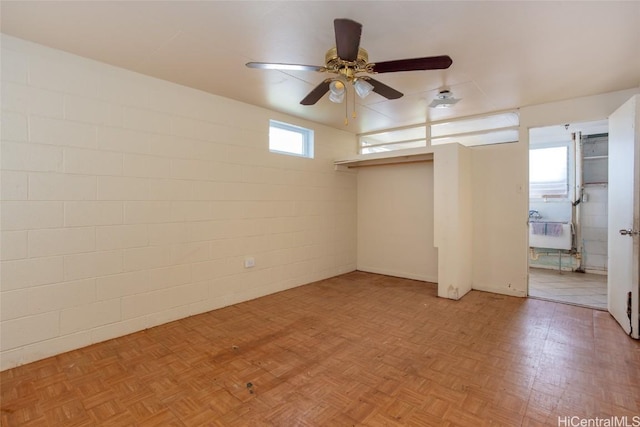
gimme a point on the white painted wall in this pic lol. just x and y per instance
(128, 202)
(500, 248)
(499, 204)
(453, 234)
(395, 221)
(500, 210)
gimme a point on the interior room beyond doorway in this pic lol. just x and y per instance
(568, 211)
(584, 289)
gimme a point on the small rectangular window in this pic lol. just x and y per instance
(290, 139)
(549, 172)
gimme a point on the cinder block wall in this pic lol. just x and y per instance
(128, 202)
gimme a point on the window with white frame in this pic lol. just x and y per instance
(285, 138)
(549, 172)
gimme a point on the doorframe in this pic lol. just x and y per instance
(586, 127)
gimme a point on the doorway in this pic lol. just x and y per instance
(568, 188)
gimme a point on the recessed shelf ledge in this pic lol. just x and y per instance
(411, 155)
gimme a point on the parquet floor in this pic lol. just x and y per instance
(357, 349)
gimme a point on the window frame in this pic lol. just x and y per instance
(498, 127)
(307, 139)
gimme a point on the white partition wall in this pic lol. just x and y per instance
(453, 234)
(395, 221)
(500, 231)
(450, 213)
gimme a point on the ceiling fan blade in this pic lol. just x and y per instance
(348, 34)
(288, 67)
(317, 93)
(384, 90)
(415, 64)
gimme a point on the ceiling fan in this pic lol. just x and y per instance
(348, 61)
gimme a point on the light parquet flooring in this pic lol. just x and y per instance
(357, 349)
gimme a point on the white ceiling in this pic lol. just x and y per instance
(505, 54)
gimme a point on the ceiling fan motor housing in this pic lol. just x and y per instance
(348, 69)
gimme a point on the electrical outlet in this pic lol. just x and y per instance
(249, 262)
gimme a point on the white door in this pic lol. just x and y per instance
(624, 210)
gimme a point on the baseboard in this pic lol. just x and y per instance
(404, 275)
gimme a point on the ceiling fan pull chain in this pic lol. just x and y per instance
(353, 114)
(346, 111)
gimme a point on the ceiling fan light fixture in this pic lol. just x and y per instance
(444, 99)
(362, 87)
(337, 99)
(337, 87)
(336, 91)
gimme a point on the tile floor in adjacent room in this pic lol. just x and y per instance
(585, 289)
(357, 349)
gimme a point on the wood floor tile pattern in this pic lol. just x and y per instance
(357, 349)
